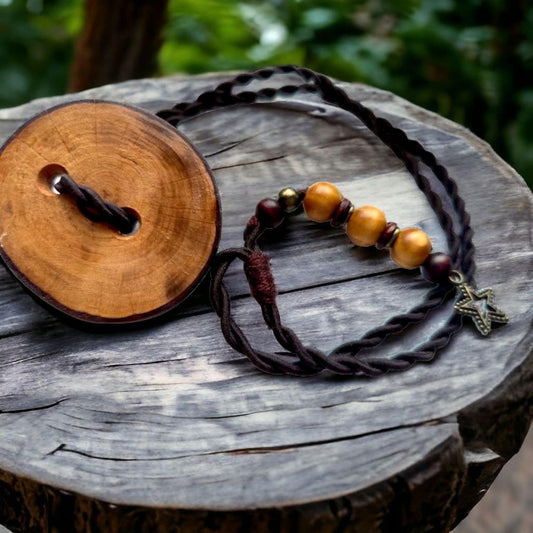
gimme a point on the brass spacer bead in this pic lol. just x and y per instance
(290, 199)
(350, 213)
(393, 238)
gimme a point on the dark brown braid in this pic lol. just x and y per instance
(93, 206)
(345, 359)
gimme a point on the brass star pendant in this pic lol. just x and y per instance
(479, 304)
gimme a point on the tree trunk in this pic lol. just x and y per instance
(119, 41)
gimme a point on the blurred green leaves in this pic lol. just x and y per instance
(469, 60)
(36, 46)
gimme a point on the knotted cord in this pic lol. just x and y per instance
(345, 359)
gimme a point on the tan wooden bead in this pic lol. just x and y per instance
(411, 248)
(321, 200)
(366, 225)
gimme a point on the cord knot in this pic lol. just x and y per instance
(260, 278)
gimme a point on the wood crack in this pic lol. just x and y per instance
(250, 162)
(29, 409)
(229, 147)
(239, 451)
(269, 449)
(141, 363)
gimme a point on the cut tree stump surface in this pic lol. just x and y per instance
(163, 427)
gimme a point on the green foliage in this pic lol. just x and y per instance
(36, 47)
(469, 60)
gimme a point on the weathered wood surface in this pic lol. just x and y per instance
(164, 428)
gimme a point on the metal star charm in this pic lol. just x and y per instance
(479, 304)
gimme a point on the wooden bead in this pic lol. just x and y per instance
(269, 212)
(342, 213)
(366, 225)
(436, 268)
(387, 237)
(411, 248)
(321, 200)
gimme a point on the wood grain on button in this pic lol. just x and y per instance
(133, 159)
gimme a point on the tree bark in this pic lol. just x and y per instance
(119, 41)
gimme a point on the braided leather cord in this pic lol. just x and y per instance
(93, 207)
(345, 359)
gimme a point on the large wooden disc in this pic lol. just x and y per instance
(130, 158)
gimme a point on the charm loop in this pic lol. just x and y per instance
(456, 278)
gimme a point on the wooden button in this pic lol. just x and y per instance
(132, 159)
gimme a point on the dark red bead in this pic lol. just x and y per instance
(436, 268)
(270, 213)
(386, 235)
(340, 215)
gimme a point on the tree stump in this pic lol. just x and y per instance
(162, 427)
